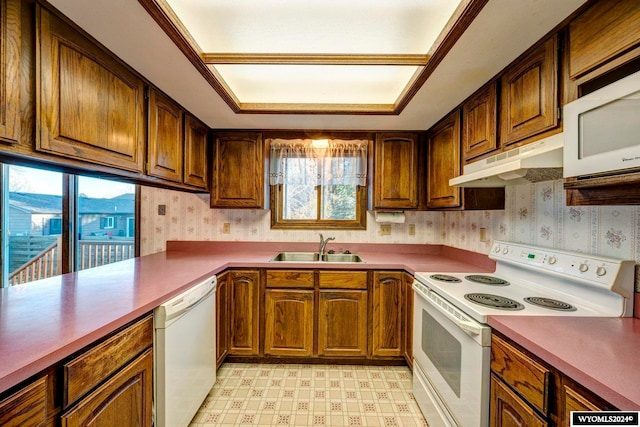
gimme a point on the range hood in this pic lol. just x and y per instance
(535, 162)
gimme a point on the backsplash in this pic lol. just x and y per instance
(535, 213)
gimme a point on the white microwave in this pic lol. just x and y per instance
(602, 130)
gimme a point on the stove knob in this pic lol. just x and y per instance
(601, 271)
(553, 260)
(505, 251)
(496, 249)
(583, 268)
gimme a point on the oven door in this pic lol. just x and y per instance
(452, 352)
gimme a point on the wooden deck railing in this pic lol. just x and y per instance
(91, 253)
(45, 264)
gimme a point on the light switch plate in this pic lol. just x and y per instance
(226, 228)
(412, 230)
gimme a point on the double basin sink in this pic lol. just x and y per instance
(314, 257)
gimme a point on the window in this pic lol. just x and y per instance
(47, 231)
(318, 183)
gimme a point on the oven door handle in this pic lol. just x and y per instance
(469, 327)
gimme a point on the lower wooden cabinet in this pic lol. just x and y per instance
(509, 410)
(245, 312)
(387, 313)
(223, 309)
(342, 323)
(288, 327)
(407, 328)
(124, 400)
(26, 407)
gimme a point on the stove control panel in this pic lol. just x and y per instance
(595, 270)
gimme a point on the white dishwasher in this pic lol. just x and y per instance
(185, 354)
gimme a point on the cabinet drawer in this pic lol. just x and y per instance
(523, 374)
(85, 372)
(343, 279)
(26, 407)
(289, 279)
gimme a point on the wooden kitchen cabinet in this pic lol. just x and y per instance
(443, 162)
(90, 105)
(10, 69)
(26, 407)
(407, 326)
(342, 323)
(112, 382)
(387, 313)
(196, 166)
(245, 312)
(507, 409)
(223, 314)
(395, 183)
(165, 142)
(288, 322)
(238, 170)
(479, 123)
(574, 397)
(529, 94)
(602, 33)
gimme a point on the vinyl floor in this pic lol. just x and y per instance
(310, 395)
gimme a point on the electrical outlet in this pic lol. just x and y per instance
(226, 228)
(483, 234)
(385, 229)
(412, 230)
(162, 209)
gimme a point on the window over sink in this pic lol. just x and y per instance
(318, 183)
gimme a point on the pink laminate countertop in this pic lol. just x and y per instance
(602, 354)
(43, 322)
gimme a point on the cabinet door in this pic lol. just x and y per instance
(479, 123)
(530, 94)
(10, 52)
(602, 33)
(222, 319)
(90, 106)
(507, 409)
(443, 162)
(342, 323)
(124, 400)
(396, 171)
(238, 169)
(575, 398)
(288, 325)
(26, 407)
(245, 304)
(387, 314)
(195, 153)
(408, 319)
(165, 144)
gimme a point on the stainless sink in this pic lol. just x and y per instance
(314, 257)
(341, 258)
(296, 257)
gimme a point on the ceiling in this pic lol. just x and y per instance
(502, 30)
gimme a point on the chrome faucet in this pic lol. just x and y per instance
(323, 243)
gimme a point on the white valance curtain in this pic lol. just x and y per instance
(297, 161)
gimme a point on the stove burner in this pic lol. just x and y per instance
(494, 301)
(487, 280)
(553, 304)
(445, 278)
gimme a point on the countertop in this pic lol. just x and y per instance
(602, 354)
(45, 321)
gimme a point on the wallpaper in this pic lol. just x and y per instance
(534, 213)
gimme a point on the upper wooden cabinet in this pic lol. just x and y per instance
(396, 171)
(10, 53)
(479, 123)
(443, 162)
(238, 170)
(165, 143)
(196, 169)
(90, 105)
(602, 33)
(529, 101)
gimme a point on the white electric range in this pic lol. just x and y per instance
(452, 340)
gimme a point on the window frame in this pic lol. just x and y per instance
(278, 222)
